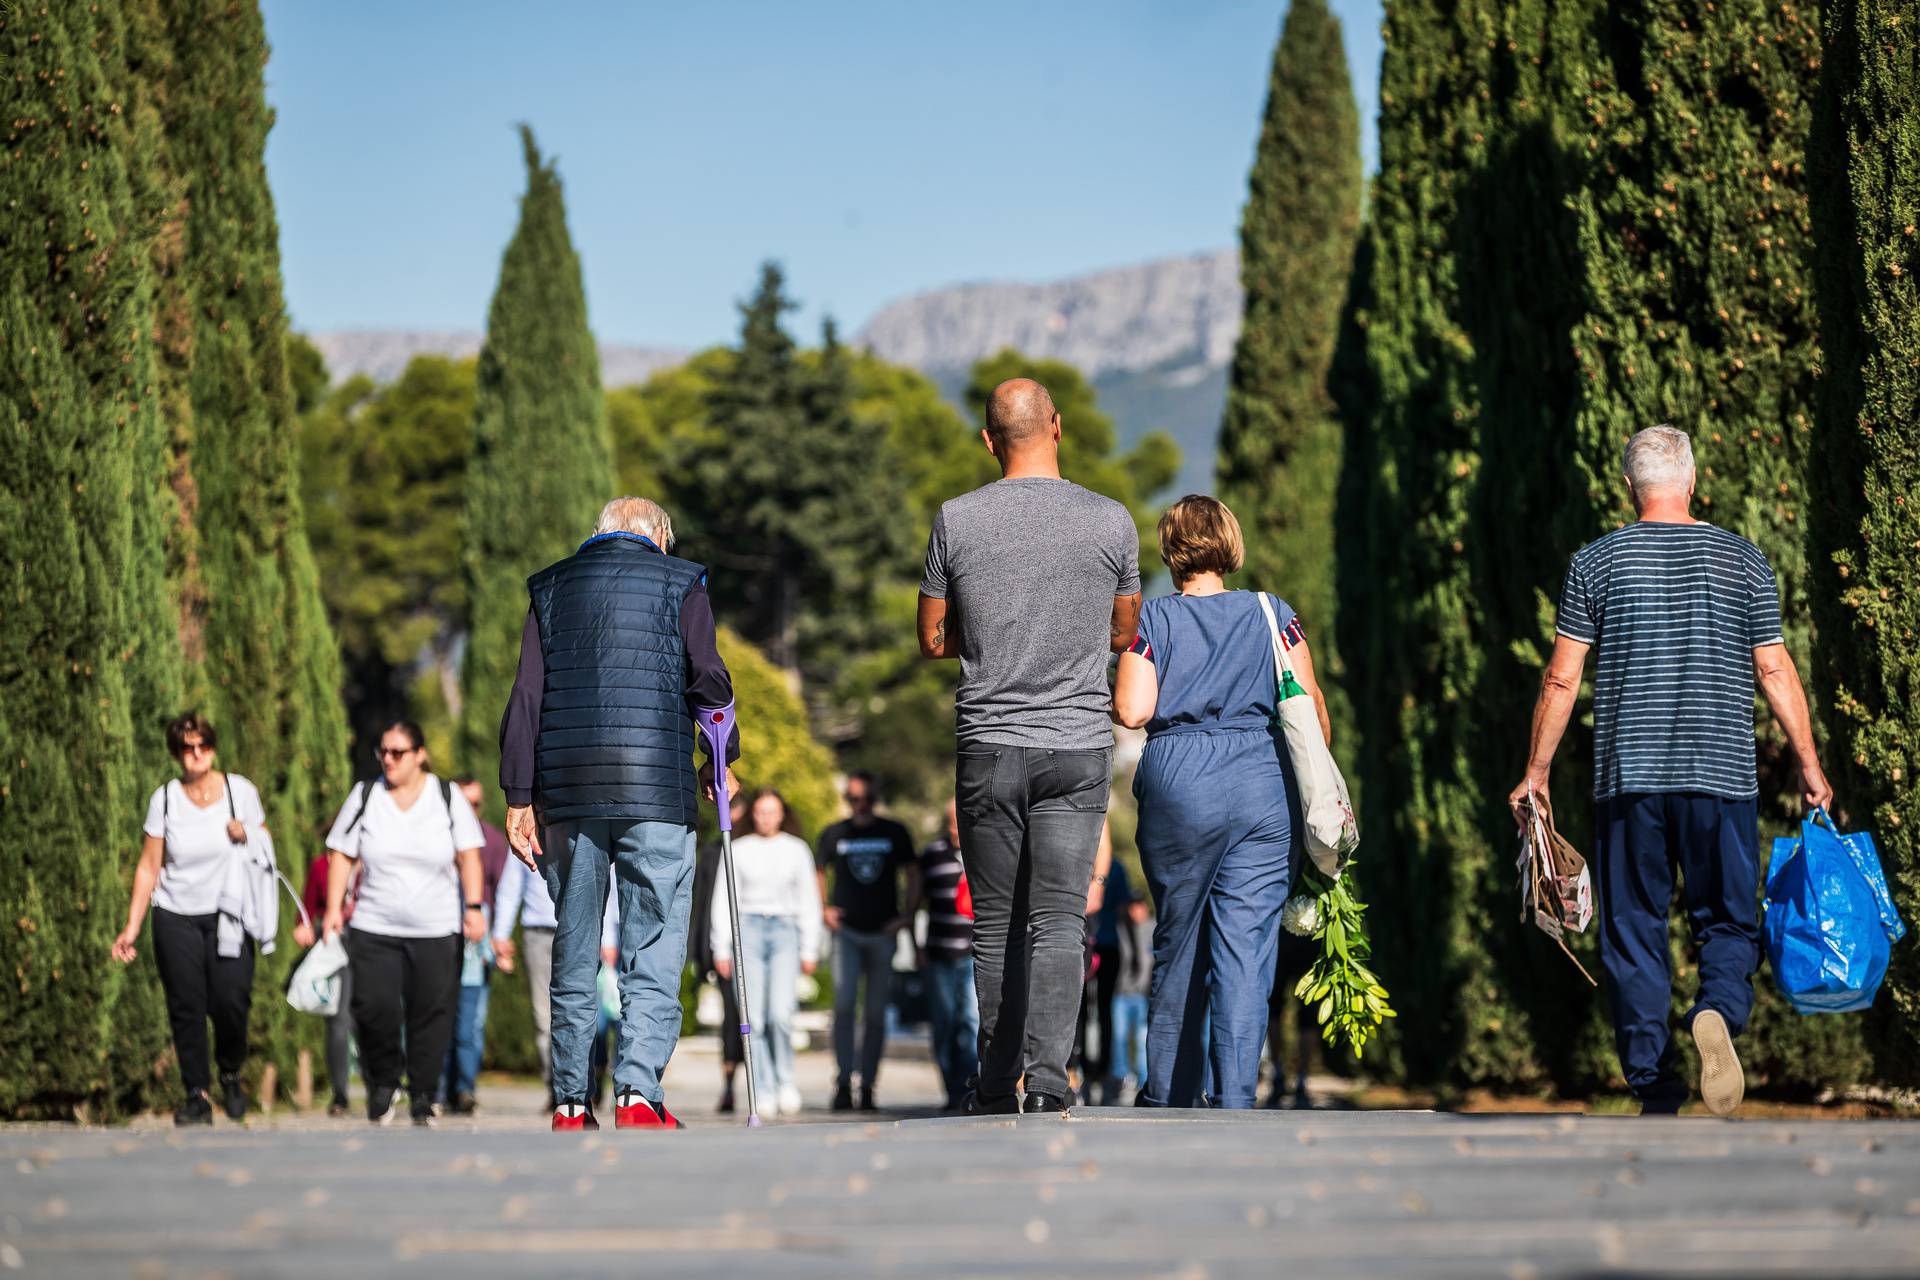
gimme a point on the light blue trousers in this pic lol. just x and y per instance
(772, 944)
(653, 872)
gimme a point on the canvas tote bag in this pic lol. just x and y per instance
(1332, 832)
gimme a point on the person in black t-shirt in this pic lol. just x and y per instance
(866, 856)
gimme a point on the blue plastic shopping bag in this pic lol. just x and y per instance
(1830, 920)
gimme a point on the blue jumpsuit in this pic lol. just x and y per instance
(1217, 821)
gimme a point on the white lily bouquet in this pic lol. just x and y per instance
(1344, 993)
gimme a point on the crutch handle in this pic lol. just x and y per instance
(716, 725)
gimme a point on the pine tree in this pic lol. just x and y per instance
(542, 461)
(1865, 571)
(1280, 440)
(86, 658)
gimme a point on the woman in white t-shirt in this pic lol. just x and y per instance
(196, 826)
(780, 933)
(417, 844)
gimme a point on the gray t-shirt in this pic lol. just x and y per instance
(1674, 612)
(1030, 567)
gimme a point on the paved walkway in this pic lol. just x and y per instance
(1107, 1192)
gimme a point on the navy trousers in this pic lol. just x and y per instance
(1639, 842)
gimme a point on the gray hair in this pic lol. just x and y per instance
(1658, 459)
(636, 515)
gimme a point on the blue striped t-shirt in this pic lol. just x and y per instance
(1674, 612)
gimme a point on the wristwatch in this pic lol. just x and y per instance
(476, 906)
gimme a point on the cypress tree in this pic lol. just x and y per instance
(268, 670)
(86, 657)
(542, 461)
(1280, 440)
(1865, 479)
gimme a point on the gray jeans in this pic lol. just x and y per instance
(538, 945)
(1030, 824)
(858, 955)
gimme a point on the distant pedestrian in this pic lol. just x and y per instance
(1110, 897)
(1031, 582)
(522, 899)
(780, 921)
(415, 843)
(476, 967)
(953, 1006)
(862, 860)
(1128, 1068)
(700, 954)
(1682, 616)
(196, 826)
(340, 1024)
(617, 657)
(1218, 831)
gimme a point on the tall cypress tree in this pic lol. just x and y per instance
(1280, 440)
(86, 657)
(542, 461)
(1865, 571)
(267, 670)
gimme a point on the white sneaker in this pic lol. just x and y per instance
(790, 1101)
(1722, 1084)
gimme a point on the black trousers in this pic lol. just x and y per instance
(410, 984)
(200, 984)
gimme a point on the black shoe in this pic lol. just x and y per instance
(463, 1104)
(424, 1119)
(978, 1104)
(380, 1104)
(726, 1103)
(843, 1098)
(338, 1107)
(197, 1109)
(233, 1097)
(866, 1101)
(1044, 1104)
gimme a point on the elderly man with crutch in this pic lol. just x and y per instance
(617, 665)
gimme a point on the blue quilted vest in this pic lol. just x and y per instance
(616, 740)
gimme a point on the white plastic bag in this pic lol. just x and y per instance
(1332, 831)
(315, 985)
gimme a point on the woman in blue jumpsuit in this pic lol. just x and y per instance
(1219, 819)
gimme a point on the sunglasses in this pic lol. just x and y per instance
(195, 748)
(394, 753)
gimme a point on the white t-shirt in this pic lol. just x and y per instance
(197, 848)
(409, 884)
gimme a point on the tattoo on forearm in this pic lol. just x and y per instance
(940, 634)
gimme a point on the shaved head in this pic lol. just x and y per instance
(1019, 412)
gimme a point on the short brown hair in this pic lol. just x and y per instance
(191, 722)
(1199, 535)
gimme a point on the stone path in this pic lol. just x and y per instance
(1107, 1192)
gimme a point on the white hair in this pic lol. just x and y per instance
(636, 515)
(1659, 459)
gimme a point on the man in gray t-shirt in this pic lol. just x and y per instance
(1031, 582)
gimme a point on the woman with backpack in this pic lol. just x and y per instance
(415, 843)
(196, 826)
(1219, 830)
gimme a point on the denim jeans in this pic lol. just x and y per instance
(860, 955)
(1129, 1038)
(469, 1038)
(1030, 823)
(953, 1012)
(772, 946)
(653, 869)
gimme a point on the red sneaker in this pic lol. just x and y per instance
(631, 1111)
(564, 1123)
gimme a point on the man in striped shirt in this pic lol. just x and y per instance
(1681, 616)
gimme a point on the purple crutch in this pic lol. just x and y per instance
(717, 725)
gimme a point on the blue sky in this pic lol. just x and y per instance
(877, 149)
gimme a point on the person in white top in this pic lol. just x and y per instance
(196, 826)
(780, 934)
(418, 845)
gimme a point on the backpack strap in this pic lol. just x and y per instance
(446, 798)
(366, 798)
